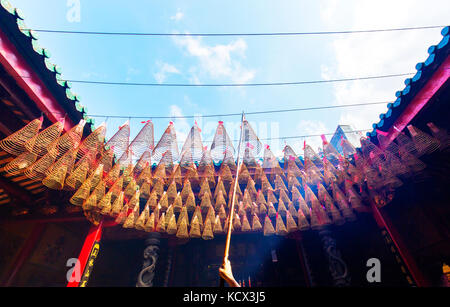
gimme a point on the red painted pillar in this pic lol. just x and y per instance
(87, 256)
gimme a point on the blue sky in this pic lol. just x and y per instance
(237, 59)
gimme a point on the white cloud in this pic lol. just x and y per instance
(377, 53)
(164, 70)
(182, 127)
(310, 127)
(178, 16)
(219, 62)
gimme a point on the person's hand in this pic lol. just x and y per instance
(226, 273)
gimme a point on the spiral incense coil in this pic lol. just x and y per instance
(167, 146)
(15, 144)
(20, 163)
(117, 205)
(291, 225)
(142, 219)
(104, 205)
(303, 223)
(218, 229)
(281, 210)
(268, 227)
(244, 175)
(41, 142)
(81, 194)
(406, 144)
(68, 141)
(93, 142)
(55, 179)
(311, 155)
(78, 175)
(441, 134)
(425, 143)
(290, 156)
(37, 169)
(208, 231)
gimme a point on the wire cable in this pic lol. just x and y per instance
(231, 34)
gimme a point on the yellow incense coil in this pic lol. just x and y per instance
(96, 176)
(244, 175)
(336, 217)
(237, 222)
(20, 163)
(142, 219)
(211, 213)
(284, 197)
(220, 187)
(303, 223)
(225, 173)
(93, 142)
(169, 214)
(160, 173)
(41, 142)
(238, 191)
(81, 194)
(78, 175)
(163, 202)
(296, 195)
(190, 202)
(280, 227)
(256, 224)
(245, 224)
(130, 188)
(198, 214)
(205, 203)
(176, 176)
(132, 218)
(55, 180)
(194, 231)
(260, 199)
(145, 189)
(222, 213)
(279, 184)
(122, 216)
(268, 227)
(186, 190)
(204, 188)
(217, 226)
(68, 141)
(182, 231)
(208, 231)
(220, 201)
(106, 159)
(104, 205)
(113, 175)
(241, 210)
(161, 225)
(90, 202)
(172, 225)
(134, 201)
(158, 187)
(38, 168)
(183, 215)
(177, 203)
(145, 175)
(172, 191)
(150, 224)
(281, 208)
(271, 210)
(117, 205)
(291, 226)
(152, 202)
(15, 143)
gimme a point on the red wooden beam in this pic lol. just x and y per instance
(87, 256)
(28, 80)
(437, 80)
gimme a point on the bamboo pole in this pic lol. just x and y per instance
(225, 271)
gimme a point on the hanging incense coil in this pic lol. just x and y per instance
(220, 200)
(210, 213)
(251, 188)
(190, 202)
(163, 202)
(131, 188)
(145, 175)
(293, 182)
(225, 173)
(37, 169)
(237, 222)
(194, 231)
(20, 163)
(271, 212)
(40, 144)
(161, 226)
(281, 208)
(192, 175)
(159, 173)
(104, 204)
(284, 197)
(220, 187)
(117, 205)
(279, 184)
(353, 198)
(256, 224)
(81, 194)
(265, 184)
(244, 175)
(217, 226)
(122, 215)
(93, 142)
(15, 144)
(208, 231)
(209, 174)
(198, 214)
(260, 199)
(106, 158)
(204, 188)
(183, 215)
(231, 189)
(291, 226)
(150, 224)
(424, 143)
(295, 196)
(78, 175)
(172, 225)
(182, 231)
(271, 197)
(303, 223)
(291, 209)
(68, 141)
(205, 202)
(268, 227)
(90, 202)
(222, 212)
(186, 190)
(245, 224)
(132, 218)
(113, 175)
(441, 134)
